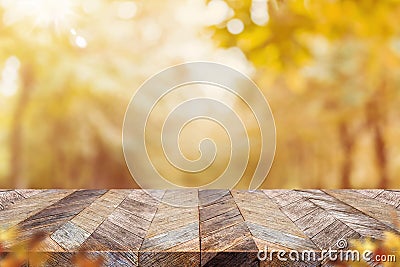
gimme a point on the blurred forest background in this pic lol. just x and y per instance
(330, 70)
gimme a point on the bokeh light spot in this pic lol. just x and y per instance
(80, 42)
(235, 26)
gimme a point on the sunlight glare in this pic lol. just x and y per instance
(50, 12)
(80, 42)
(43, 13)
(9, 77)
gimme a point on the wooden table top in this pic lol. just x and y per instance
(130, 228)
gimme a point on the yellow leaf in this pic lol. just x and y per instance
(8, 235)
(392, 241)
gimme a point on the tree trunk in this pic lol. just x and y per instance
(376, 120)
(15, 137)
(347, 143)
(380, 153)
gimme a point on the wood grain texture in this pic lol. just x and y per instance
(72, 234)
(352, 217)
(267, 222)
(381, 212)
(92, 216)
(51, 218)
(225, 237)
(201, 228)
(9, 197)
(27, 193)
(389, 197)
(26, 208)
(370, 192)
(125, 227)
(173, 227)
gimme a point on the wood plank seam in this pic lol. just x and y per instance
(37, 206)
(391, 226)
(172, 238)
(7, 196)
(381, 198)
(78, 225)
(223, 231)
(151, 222)
(345, 219)
(229, 230)
(78, 205)
(198, 214)
(104, 218)
(294, 223)
(338, 219)
(241, 213)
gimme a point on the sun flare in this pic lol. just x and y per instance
(43, 13)
(53, 13)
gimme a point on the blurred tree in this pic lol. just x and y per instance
(51, 133)
(339, 60)
(75, 65)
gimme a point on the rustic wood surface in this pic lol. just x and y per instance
(213, 228)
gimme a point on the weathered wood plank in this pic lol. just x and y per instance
(25, 208)
(70, 236)
(332, 234)
(369, 192)
(390, 198)
(111, 259)
(323, 225)
(55, 215)
(173, 227)
(59, 259)
(312, 223)
(287, 197)
(382, 213)
(319, 225)
(142, 204)
(298, 209)
(118, 243)
(360, 222)
(93, 258)
(8, 198)
(27, 193)
(281, 238)
(310, 218)
(214, 228)
(130, 217)
(207, 197)
(92, 216)
(125, 228)
(217, 223)
(268, 223)
(257, 208)
(172, 238)
(275, 192)
(48, 245)
(150, 196)
(225, 238)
